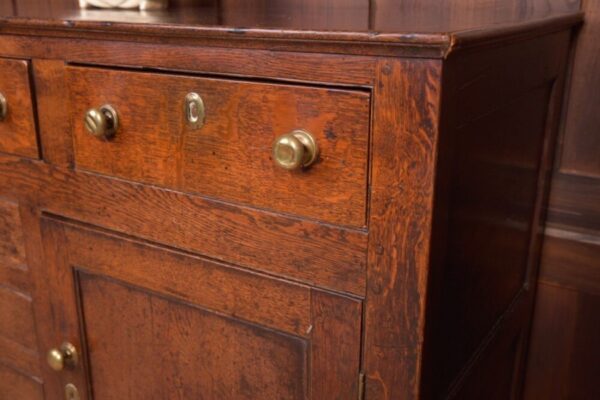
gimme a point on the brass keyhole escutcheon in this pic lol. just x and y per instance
(295, 150)
(3, 107)
(102, 122)
(63, 357)
(71, 392)
(194, 110)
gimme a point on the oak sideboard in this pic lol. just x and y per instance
(273, 201)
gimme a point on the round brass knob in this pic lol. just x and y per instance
(3, 107)
(295, 150)
(102, 122)
(64, 357)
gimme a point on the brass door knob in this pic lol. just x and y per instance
(295, 150)
(102, 122)
(3, 107)
(63, 357)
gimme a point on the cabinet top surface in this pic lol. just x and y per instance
(426, 23)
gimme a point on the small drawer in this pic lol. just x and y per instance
(17, 123)
(227, 153)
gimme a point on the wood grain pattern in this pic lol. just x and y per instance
(500, 128)
(503, 358)
(16, 317)
(230, 156)
(269, 64)
(571, 262)
(215, 344)
(15, 278)
(455, 157)
(43, 313)
(406, 109)
(581, 143)
(24, 360)
(23, 7)
(406, 28)
(564, 350)
(19, 358)
(200, 355)
(330, 257)
(7, 8)
(18, 129)
(574, 203)
(563, 357)
(12, 249)
(335, 320)
(195, 281)
(16, 386)
(51, 92)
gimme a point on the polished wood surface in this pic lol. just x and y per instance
(14, 385)
(7, 8)
(502, 126)
(358, 16)
(230, 156)
(387, 271)
(307, 251)
(267, 64)
(19, 358)
(564, 351)
(196, 327)
(579, 153)
(406, 27)
(404, 138)
(17, 129)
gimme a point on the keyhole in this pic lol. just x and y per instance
(71, 392)
(194, 110)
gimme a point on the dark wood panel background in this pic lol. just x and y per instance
(564, 352)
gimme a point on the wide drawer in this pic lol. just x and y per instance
(230, 155)
(17, 122)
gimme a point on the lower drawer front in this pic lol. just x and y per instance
(230, 156)
(171, 325)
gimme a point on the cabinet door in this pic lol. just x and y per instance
(154, 323)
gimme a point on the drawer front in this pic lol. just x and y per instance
(230, 157)
(171, 325)
(17, 123)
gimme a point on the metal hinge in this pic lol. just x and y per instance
(361, 386)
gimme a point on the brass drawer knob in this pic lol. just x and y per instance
(3, 107)
(102, 122)
(64, 357)
(295, 150)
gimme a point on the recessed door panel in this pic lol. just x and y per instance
(153, 323)
(169, 349)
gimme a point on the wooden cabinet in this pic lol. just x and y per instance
(330, 208)
(171, 325)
